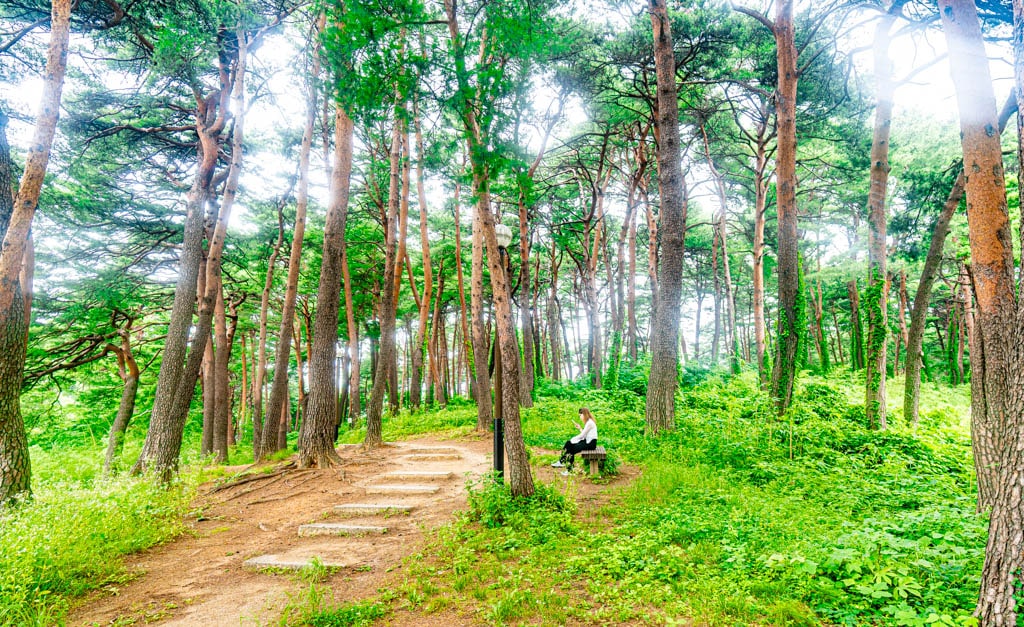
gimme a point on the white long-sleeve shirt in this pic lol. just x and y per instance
(587, 434)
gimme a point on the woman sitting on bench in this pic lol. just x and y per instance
(585, 440)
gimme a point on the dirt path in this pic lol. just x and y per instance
(202, 579)
(209, 578)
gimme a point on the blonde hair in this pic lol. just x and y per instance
(586, 414)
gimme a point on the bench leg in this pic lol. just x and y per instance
(593, 466)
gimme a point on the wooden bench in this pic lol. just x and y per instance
(594, 457)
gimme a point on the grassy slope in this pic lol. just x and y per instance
(738, 518)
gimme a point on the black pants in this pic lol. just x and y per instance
(570, 448)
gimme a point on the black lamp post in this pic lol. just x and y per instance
(504, 236)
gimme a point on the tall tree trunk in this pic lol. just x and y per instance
(520, 476)
(663, 381)
(538, 344)
(279, 385)
(467, 339)
(722, 237)
(918, 315)
(856, 329)
(394, 387)
(244, 395)
(619, 318)
(878, 217)
(316, 437)
(221, 375)
(588, 274)
(526, 374)
(554, 319)
(387, 359)
(209, 384)
(428, 280)
(299, 365)
(484, 414)
(652, 254)
(260, 370)
(15, 467)
(438, 352)
(997, 406)
(757, 252)
(901, 318)
(632, 332)
(716, 293)
(790, 322)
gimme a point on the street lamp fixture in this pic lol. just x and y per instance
(504, 236)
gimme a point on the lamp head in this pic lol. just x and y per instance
(503, 235)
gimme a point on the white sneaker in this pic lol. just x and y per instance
(565, 473)
(557, 465)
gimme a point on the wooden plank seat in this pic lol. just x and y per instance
(594, 458)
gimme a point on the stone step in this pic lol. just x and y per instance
(424, 475)
(432, 457)
(449, 450)
(402, 489)
(289, 563)
(371, 509)
(338, 529)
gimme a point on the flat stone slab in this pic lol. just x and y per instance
(402, 489)
(432, 457)
(339, 529)
(423, 475)
(288, 563)
(449, 450)
(371, 509)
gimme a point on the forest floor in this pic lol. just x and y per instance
(201, 578)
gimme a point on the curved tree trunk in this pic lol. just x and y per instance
(661, 387)
(178, 373)
(316, 437)
(129, 371)
(15, 467)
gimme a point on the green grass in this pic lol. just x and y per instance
(68, 540)
(739, 517)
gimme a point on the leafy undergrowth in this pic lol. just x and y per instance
(739, 518)
(67, 540)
